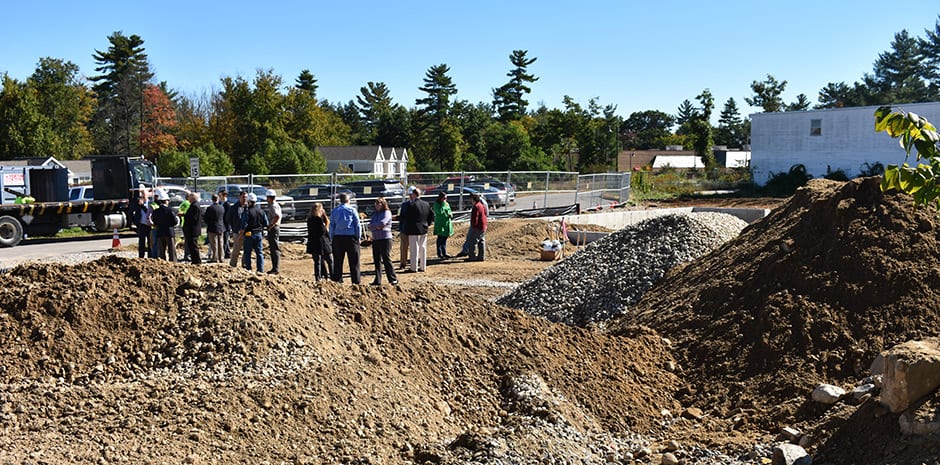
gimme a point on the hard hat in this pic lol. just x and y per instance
(270, 193)
(160, 194)
(411, 189)
(252, 197)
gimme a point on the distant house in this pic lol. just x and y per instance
(79, 170)
(826, 140)
(365, 159)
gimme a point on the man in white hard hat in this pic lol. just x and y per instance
(164, 223)
(274, 231)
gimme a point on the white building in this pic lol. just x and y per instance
(366, 159)
(826, 140)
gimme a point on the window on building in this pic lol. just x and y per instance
(815, 127)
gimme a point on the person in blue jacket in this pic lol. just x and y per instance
(345, 231)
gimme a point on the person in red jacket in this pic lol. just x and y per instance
(476, 235)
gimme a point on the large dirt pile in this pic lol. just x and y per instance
(810, 294)
(142, 361)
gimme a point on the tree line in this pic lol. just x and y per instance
(266, 126)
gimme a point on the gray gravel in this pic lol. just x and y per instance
(600, 281)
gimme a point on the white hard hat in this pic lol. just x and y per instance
(270, 193)
(160, 194)
(411, 189)
(252, 197)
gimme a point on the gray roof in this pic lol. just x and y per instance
(353, 152)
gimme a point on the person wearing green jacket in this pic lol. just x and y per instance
(443, 224)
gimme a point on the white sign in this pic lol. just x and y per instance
(194, 167)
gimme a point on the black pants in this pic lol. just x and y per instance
(274, 247)
(382, 256)
(143, 240)
(322, 264)
(191, 246)
(343, 247)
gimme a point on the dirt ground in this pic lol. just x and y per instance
(141, 361)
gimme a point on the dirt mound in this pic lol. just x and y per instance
(508, 239)
(810, 294)
(145, 361)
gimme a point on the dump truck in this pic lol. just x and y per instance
(35, 200)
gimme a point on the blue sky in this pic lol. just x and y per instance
(635, 55)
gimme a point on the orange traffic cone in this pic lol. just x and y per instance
(115, 240)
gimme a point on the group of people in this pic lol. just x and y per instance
(336, 238)
(231, 229)
(238, 229)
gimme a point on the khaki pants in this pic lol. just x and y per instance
(238, 242)
(404, 250)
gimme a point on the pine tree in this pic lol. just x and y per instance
(440, 137)
(306, 82)
(930, 53)
(685, 112)
(801, 103)
(509, 100)
(729, 126)
(899, 74)
(125, 71)
(767, 94)
(374, 103)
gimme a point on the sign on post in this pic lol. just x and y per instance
(194, 167)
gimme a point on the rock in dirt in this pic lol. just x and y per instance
(790, 454)
(827, 394)
(912, 370)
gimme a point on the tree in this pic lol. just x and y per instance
(685, 112)
(700, 129)
(67, 106)
(509, 100)
(647, 129)
(899, 74)
(156, 131)
(730, 131)
(192, 121)
(767, 94)
(835, 95)
(374, 102)
(307, 83)
(801, 103)
(306, 121)
(119, 89)
(247, 115)
(930, 53)
(439, 137)
(291, 157)
(23, 129)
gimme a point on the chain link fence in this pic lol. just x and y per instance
(504, 191)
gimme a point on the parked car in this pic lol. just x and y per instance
(368, 190)
(327, 194)
(450, 185)
(81, 193)
(288, 210)
(460, 199)
(506, 190)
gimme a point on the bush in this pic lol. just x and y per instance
(785, 184)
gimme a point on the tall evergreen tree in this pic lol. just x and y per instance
(730, 126)
(306, 82)
(685, 112)
(767, 94)
(930, 52)
(899, 74)
(801, 104)
(509, 100)
(125, 71)
(441, 140)
(374, 102)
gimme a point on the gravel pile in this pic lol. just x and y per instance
(600, 281)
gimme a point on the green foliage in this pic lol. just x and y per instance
(837, 175)
(509, 100)
(914, 133)
(647, 129)
(785, 184)
(871, 169)
(767, 94)
(291, 158)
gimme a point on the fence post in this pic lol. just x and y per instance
(463, 174)
(577, 182)
(545, 197)
(508, 187)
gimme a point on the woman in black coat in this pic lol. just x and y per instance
(318, 242)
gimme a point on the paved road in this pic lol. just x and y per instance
(45, 248)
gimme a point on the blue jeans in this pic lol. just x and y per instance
(476, 243)
(253, 243)
(441, 246)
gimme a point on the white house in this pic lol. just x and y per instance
(370, 159)
(79, 170)
(826, 140)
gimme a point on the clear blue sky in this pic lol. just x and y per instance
(635, 55)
